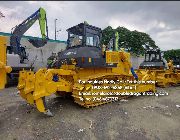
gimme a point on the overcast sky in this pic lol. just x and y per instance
(161, 20)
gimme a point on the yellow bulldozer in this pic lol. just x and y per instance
(4, 69)
(93, 75)
(165, 72)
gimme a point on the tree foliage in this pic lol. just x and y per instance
(172, 55)
(133, 41)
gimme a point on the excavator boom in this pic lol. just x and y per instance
(19, 31)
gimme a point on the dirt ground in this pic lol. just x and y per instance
(138, 118)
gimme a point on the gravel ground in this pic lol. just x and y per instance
(138, 118)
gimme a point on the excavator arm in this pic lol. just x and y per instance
(43, 23)
(20, 29)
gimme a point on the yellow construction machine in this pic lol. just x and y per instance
(3, 62)
(165, 73)
(91, 74)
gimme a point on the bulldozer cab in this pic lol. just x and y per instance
(84, 35)
(153, 60)
(153, 56)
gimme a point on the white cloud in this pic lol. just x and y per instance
(7, 23)
(32, 2)
(150, 17)
(114, 23)
(162, 25)
(169, 40)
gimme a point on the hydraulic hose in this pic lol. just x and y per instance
(133, 73)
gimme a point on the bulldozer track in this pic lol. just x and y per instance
(91, 104)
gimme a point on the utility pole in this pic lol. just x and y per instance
(55, 27)
(56, 31)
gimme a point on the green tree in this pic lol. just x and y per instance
(133, 41)
(107, 34)
(173, 55)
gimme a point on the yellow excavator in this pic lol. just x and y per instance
(4, 69)
(93, 75)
